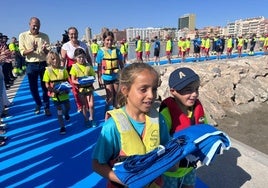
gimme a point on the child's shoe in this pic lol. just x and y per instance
(62, 130)
(67, 117)
(93, 123)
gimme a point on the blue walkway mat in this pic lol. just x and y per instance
(36, 155)
(202, 59)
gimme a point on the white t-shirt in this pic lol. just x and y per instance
(70, 48)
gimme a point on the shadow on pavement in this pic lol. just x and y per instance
(224, 171)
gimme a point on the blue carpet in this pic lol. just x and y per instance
(36, 155)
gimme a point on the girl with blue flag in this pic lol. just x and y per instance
(135, 127)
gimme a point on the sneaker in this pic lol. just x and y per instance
(93, 123)
(2, 142)
(3, 138)
(62, 130)
(37, 109)
(47, 112)
(67, 117)
(3, 125)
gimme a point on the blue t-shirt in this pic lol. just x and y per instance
(157, 44)
(197, 42)
(218, 42)
(99, 57)
(108, 145)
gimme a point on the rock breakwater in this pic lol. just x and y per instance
(236, 85)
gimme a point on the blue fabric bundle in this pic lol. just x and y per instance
(201, 141)
(208, 141)
(139, 170)
(87, 80)
(63, 87)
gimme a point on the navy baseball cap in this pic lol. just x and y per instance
(181, 77)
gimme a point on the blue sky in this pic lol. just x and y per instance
(57, 15)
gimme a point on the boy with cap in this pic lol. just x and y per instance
(181, 110)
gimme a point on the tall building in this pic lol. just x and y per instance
(88, 34)
(247, 27)
(187, 21)
(132, 33)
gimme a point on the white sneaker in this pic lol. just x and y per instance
(3, 125)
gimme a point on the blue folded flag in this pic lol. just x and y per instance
(202, 141)
(86, 80)
(64, 86)
(140, 170)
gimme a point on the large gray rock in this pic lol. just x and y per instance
(238, 85)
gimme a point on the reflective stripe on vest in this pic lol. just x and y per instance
(139, 145)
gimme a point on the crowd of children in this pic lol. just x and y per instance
(132, 125)
(204, 46)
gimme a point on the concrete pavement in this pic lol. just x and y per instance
(241, 166)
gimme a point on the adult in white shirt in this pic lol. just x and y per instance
(67, 55)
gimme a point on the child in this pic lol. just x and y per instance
(147, 50)
(169, 49)
(124, 50)
(94, 49)
(110, 61)
(134, 128)
(54, 75)
(240, 45)
(139, 49)
(229, 47)
(82, 69)
(156, 51)
(180, 111)
(207, 47)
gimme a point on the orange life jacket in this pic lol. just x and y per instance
(109, 62)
